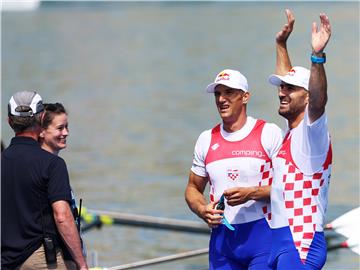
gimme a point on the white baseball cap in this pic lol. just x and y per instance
(297, 76)
(25, 103)
(231, 78)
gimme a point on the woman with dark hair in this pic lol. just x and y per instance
(53, 135)
(55, 128)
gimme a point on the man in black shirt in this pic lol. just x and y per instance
(35, 196)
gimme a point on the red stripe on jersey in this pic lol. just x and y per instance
(250, 146)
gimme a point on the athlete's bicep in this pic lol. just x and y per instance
(197, 182)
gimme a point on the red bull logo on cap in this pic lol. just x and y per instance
(292, 72)
(223, 76)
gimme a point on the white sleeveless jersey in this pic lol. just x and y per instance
(240, 163)
(299, 195)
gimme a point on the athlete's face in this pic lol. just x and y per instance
(230, 102)
(54, 136)
(293, 100)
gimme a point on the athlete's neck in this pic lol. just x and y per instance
(232, 126)
(293, 123)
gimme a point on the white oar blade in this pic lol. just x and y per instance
(349, 231)
(349, 218)
(356, 250)
(347, 225)
(353, 243)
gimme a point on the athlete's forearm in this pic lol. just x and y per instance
(261, 193)
(195, 200)
(66, 226)
(317, 91)
(283, 63)
(194, 194)
(241, 195)
(318, 84)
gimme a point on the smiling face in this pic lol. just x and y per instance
(53, 137)
(293, 101)
(231, 103)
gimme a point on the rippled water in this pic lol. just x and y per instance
(132, 76)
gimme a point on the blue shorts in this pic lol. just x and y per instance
(246, 248)
(284, 255)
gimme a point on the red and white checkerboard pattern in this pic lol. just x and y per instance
(266, 180)
(233, 174)
(301, 198)
(266, 171)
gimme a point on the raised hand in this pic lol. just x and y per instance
(320, 37)
(283, 35)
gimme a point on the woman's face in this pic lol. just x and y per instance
(54, 136)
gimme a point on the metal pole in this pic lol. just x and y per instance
(168, 258)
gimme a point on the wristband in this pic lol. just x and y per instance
(318, 60)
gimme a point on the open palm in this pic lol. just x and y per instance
(320, 37)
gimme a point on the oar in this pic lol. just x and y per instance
(108, 218)
(352, 243)
(347, 225)
(95, 223)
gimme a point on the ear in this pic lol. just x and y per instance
(42, 135)
(246, 97)
(10, 122)
(307, 97)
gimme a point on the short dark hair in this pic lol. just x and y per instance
(50, 110)
(21, 123)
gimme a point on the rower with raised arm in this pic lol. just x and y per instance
(302, 166)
